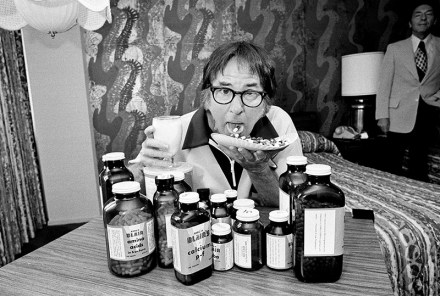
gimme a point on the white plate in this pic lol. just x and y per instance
(239, 143)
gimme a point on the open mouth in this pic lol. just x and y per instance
(235, 128)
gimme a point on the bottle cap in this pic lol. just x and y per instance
(230, 193)
(112, 156)
(278, 216)
(126, 187)
(248, 215)
(203, 193)
(164, 177)
(218, 197)
(243, 203)
(221, 229)
(296, 160)
(178, 176)
(318, 170)
(189, 197)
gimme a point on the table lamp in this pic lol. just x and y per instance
(360, 79)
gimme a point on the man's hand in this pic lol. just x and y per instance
(153, 152)
(384, 125)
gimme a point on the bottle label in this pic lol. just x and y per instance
(192, 249)
(150, 187)
(223, 255)
(168, 230)
(324, 232)
(242, 250)
(285, 203)
(279, 251)
(226, 220)
(131, 242)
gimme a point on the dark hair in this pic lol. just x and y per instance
(255, 57)
(414, 4)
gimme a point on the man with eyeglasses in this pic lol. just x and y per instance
(238, 86)
(408, 97)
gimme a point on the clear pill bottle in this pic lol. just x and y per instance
(279, 241)
(222, 246)
(248, 233)
(129, 231)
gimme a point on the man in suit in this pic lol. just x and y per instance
(408, 97)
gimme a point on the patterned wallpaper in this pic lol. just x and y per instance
(149, 60)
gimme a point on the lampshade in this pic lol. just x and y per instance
(54, 16)
(360, 73)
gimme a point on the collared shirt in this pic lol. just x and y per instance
(199, 133)
(428, 45)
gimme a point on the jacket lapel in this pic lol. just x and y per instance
(408, 58)
(435, 63)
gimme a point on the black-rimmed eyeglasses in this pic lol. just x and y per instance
(250, 98)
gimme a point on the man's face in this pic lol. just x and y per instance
(224, 119)
(422, 20)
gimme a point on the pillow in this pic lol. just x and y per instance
(313, 142)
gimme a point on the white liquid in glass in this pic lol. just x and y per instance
(168, 129)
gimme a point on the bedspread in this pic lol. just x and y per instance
(407, 220)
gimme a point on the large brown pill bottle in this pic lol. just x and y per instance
(319, 212)
(129, 231)
(165, 202)
(114, 171)
(191, 240)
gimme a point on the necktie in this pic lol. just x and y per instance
(421, 60)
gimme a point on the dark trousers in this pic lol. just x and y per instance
(417, 142)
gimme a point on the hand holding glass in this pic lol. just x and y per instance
(168, 129)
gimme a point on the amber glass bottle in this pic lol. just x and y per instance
(165, 203)
(290, 182)
(191, 234)
(115, 172)
(319, 227)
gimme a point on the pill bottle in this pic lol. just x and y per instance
(165, 202)
(279, 241)
(103, 171)
(204, 194)
(231, 196)
(116, 172)
(290, 182)
(242, 203)
(151, 172)
(219, 211)
(180, 184)
(248, 233)
(129, 231)
(222, 246)
(319, 221)
(191, 236)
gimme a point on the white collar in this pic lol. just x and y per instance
(415, 41)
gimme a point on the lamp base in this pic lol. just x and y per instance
(361, 117)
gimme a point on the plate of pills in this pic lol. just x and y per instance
(255, 143)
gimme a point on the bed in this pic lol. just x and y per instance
(406, 215)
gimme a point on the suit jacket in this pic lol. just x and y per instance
(399, 86)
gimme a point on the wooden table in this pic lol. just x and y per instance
(76, 264)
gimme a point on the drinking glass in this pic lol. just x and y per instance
(168, 129)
